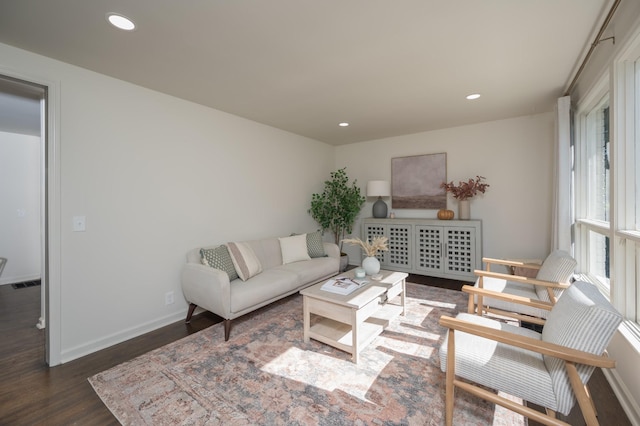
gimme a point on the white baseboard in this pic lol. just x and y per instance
(22, 279)
(626, 399)
(119, 337)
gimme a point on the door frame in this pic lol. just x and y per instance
(50, 240)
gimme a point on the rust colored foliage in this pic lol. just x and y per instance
(465, 190)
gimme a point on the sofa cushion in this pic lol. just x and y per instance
(312, 270)
(219, 258)
(294, 248)
(244, 260)
(315, 245)
(270, 285)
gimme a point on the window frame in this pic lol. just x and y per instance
(583, 223)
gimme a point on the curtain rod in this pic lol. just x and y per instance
(593, 46)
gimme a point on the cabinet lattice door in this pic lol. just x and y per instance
(460, 250)
(429, 248)
(400, 242)
(375, 230)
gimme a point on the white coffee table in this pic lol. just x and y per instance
(350, 322)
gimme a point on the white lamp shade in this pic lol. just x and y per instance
(378, 188)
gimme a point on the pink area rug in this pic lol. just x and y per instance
(265, 374)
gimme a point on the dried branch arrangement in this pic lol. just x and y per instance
(379, 243)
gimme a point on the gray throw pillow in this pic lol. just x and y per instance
(219, 258)
(315, 246)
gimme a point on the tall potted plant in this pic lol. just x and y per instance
(337, 207)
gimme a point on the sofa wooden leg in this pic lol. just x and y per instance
(227, 329)
(192, 307)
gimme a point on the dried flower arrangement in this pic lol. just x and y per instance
(379, 243)
(465, 190)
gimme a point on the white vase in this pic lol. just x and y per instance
(464, 209)
(371, 265)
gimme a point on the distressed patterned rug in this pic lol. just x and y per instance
(266, 374)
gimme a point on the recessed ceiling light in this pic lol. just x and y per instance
(343, 124)
(120, 21)
(473, 96)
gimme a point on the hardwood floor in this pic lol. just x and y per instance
(33, 394)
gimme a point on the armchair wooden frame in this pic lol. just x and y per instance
(481, 293)
(570, 356)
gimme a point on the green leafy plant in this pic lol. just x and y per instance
(338, 206)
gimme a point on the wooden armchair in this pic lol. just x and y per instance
(549, 369)
(523, 298)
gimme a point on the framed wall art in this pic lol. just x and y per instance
(416, 180)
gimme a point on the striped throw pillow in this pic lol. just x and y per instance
(245, 260)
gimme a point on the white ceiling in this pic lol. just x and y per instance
(387, 67)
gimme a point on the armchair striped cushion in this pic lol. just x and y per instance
(585, 321)
(557, 267)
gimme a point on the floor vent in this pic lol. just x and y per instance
(26, 284)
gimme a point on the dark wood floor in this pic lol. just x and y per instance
(33, 394)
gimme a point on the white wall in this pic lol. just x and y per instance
(20, 207)
(515, 157)
(156, 176)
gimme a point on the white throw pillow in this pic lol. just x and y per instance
(244, 260)
(294, 249)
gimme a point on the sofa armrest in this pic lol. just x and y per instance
(332, 250)
(207, 287)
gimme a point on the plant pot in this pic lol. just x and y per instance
(371, 265)
(344, 262)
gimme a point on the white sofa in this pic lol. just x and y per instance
(283, 270)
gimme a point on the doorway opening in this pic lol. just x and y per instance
(23, 211)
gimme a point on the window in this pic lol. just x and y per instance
(594, 183)
(607, 185)
(597, 152)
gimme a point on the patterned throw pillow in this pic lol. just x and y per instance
(219, 258)
(315, 247)
(245, 260)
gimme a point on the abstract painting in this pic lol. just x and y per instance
(416, 180)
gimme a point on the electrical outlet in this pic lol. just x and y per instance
(79, 223)
(168, 298)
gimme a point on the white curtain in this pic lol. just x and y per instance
(561, 206)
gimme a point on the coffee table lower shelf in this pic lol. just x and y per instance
(340, 335)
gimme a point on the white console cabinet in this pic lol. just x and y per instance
(440, 248)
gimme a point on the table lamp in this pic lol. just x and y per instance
(379, 188)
